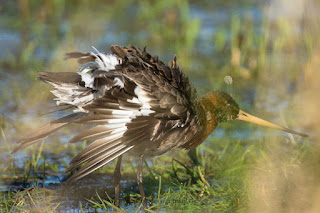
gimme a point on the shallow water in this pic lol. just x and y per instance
(24, 52)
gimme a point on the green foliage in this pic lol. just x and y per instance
(225, 174)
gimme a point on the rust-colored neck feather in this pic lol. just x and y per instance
(208, 120)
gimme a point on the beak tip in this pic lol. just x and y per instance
(243, 116)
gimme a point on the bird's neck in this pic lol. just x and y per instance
(207, 119)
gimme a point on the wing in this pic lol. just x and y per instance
(133, 100)
(167, 92)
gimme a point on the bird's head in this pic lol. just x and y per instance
(220, 107)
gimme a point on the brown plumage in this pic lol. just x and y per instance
(136, 104)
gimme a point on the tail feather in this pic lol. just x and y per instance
(61, 78)
(90, 155)
(59, 108)
(97, 144)
(76, 55)
(99, 162)
(97, 132)
(82, 57)
(46, 130)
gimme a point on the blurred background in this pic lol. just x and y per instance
(269, 48)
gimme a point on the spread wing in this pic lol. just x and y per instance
(133, 100)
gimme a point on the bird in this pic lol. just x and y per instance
(135, 104)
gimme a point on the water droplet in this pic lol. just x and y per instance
(228, 79)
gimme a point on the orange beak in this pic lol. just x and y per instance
(243, 116)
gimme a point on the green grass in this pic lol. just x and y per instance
(239, 169)
(220, 183)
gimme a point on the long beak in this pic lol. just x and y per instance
(243, 116)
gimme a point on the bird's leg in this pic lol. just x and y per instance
(193, 154)
(116, 178)
(140, 180)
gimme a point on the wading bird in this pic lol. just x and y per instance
(136, 104)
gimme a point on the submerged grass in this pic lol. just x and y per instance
(251, 171)
(220, 182)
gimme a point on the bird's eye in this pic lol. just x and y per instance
(228, 106)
